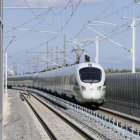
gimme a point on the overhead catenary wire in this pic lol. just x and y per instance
(10, 42)
(102, 12)
(73, 12)
(120, 45)
(45, 42)
(62, 26)
(32, 28)
(22, 7)
(66, 23)
(118, 11)
(117, 33)
(55, 13)
(60, 29)
(113, 33)
(108, 34)
(26, 1)
(38, 31)
(28, 21)
(35, 16)
(107, 16)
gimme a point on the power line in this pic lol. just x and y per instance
(82, 28)
(28, 30)
(10, 42)
(104, 10)
(13, 7)
(55, 13)
(60, 29)
(26, 22)
(124, 30)
(30, 9)
(37, 46)
(114, 13)
(70, 16)
(41, 44)
(118, 11)
(114, 34)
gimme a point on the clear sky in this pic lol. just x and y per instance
(28, 29)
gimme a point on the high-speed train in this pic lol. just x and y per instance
(84, 82)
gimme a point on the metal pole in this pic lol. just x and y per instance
(1, 68)
(15, 68)
(47, 54)
(51, 56)
(57, 55)
(65, 50)
(97, 50)
(29, 63)
(133, 45)
(5, 72)
(133, 26)
(37, 62)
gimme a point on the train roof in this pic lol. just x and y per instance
(28, 76)
(67, 70)
(89, 64)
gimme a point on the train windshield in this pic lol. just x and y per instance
(90, 75)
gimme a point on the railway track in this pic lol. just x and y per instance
(51, 133)
(45, 126)
(121, 115)
(124, 130)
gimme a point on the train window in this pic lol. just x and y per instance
(90, 75)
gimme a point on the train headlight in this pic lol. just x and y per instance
(83, 88)
(99, 88)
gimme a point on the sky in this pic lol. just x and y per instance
(31, 25)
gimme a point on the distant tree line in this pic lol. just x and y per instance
(110, 70)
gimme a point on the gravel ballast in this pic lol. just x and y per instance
(18, 121)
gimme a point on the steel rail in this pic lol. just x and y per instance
(134, 131)
(45, 126)
(119, 114)
(118, 126)
(76, 128)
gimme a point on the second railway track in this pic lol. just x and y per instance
(97, 123)
(56, 125)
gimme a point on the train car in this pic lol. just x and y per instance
(20, 80)
(84, 82)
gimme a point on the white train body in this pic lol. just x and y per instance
(85, 82)
(91, 79)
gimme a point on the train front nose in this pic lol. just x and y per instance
(93, 94)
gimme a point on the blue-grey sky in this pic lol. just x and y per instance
(28, 30)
